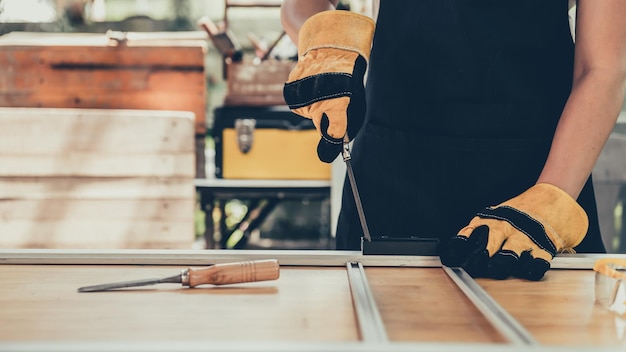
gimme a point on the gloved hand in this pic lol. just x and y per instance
(520, 236)
(326, 85)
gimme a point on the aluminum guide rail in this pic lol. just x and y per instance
(497, 316)
(205, 257)
(213, 256)
(371, 326)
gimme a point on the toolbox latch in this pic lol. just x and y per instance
(245, 132)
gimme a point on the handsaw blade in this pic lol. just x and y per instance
(132, 283)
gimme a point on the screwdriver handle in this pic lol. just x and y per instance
(232, 273)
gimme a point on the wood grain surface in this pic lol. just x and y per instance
(96, 178)
(40, 303)
(423, 304)
(560, 309)
(417, 305)
(151, 71)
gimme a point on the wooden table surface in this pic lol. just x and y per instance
(314, 304)
(41, 303)
(560, 309)
(422, 304)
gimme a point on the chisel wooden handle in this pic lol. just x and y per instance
(232, 273)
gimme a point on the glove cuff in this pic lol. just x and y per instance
(337, 29)
(564, 220)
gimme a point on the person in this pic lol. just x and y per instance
(480, 122)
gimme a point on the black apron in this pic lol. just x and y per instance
(463, 100)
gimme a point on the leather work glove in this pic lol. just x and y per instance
(326, 85)
(520, 236)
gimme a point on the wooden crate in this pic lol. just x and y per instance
(91, 178)
(257, 84)
(147, 71)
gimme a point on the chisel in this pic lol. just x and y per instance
(218, 274)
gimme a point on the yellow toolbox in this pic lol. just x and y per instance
(266, 142)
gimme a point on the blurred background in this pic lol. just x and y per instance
(244, 60)
(244, 84)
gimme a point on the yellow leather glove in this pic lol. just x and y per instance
(326, 85)
(520, 236)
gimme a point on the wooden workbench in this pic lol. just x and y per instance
(310, 307)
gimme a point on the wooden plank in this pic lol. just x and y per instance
(105, 143)
(79, 178)
(33, 131)
(71, 97)
(75, 97)
(92, 164)
(182, 38)
(104, 209)
(558, 310)
(59, 223)
(92, 71)
(96, 188)
(97, 223)
(14, 55)
(46, 79)
(54, 223)
(96, 233)
(40, 303)
(422, 304)
(257, 84)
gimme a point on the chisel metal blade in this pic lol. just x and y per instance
(345, 153)
(133, 283)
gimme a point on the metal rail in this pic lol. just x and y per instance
(214, 256)
(497, 316)
(371, 326)
(329, 258)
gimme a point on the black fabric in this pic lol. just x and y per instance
(357, 106)
(328, 85)
(463, 99)
(524, 223)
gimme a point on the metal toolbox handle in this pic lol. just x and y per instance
(245, 134)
